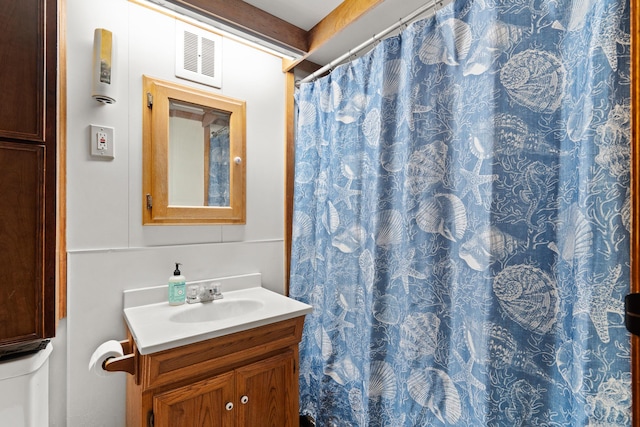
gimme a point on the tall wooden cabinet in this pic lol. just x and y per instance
(28, 130)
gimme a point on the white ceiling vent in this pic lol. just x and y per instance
(198, 55)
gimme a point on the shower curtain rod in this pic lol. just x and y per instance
(378, 37)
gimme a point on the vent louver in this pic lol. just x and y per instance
(198, 55)
(190, 52)
(208, 57)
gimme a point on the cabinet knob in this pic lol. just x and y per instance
(244, 399)
(228, 406)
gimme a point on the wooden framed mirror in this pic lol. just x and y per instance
(194, 168)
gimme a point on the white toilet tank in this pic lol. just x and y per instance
(24, 390)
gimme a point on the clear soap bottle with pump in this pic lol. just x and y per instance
(177, 287)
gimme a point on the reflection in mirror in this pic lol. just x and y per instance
(198, 155)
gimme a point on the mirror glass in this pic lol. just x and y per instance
(193, 150)
(198, 155)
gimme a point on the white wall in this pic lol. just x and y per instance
(108, 248)
(186, 162)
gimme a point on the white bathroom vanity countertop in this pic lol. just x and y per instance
(156, 326)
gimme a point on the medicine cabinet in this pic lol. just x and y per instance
(194, 167)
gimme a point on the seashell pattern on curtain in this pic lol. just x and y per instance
(461, 222)
(218, 192)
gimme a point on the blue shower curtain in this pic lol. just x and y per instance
(219, 185)
(461, 222)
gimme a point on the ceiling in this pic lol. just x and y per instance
(301, 13)
(307, 13)
(313, 32)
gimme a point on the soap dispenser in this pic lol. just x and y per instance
(177, 287)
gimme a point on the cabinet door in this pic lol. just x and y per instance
(28, 70)
(22, 236)
(202, 404)
(23, 68)
(267, 392)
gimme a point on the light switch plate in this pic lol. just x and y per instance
(102, 141)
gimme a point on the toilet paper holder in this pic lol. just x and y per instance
(126, 363)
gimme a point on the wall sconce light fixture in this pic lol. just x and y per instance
(103, 89)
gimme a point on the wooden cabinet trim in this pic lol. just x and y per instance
(218, 354)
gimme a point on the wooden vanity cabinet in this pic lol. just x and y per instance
(245, 379)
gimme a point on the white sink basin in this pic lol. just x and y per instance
(158, 326)
(216, 310)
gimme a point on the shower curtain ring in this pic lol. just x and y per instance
(403, 24)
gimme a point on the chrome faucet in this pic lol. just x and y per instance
(204, 293)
